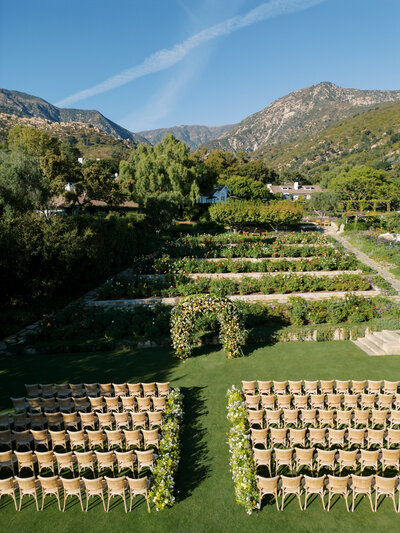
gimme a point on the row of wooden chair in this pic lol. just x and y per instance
(114, 487)
(326, 437)
(320, 387)
(123, 438)
(89, 403)
(86, 460)
(95, 389)
(330, 486)
(316, 459)
(323, 417)
(323, 401)
(81, 420)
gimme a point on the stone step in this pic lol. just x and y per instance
(367, 347)
(375, 342)
(391, 336)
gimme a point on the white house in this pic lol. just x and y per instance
(294, 191)
(219, 194)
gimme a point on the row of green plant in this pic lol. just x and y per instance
(163, 474)
(138, 322)
(300, 237)
(181, 285)
(189, 265)
(241, 456)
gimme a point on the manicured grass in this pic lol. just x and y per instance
(205, 498)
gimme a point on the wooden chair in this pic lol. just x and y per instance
(361, 417)
(114, 438)
(379, 418)
(290, 416)
(390, 387)
(119, 389)
(347, 459)
(297, 436)
(34, 404)
(283, 401)
(48, 390)
(134, 389)
(133, 437)
(5, 423)
(367, 401)
(336, 437)
(263, 458)
(94, 487)
(25, 460)
(21, 438)
(385, 401)
(62, 390)
(58, 438)
(77, 389)
(105, 420)
(20, 420)
(66, 405)
(314, 485)
(334, 401)
(252, 401)
(277, 436)
(121, 420)
(249, 387)
(304, 457)
(342, 387)
(326, 386)
(259, 436)
(105, 389)
(375, 437)
(7, 460)
(33, 390)
(343, 418)
(85, 461)
(149, 389)
(81, 404)
(54, 420)
(143, 404)
(37, 421)
(155, 419)
(295, 387)
(151, 437)
(27, 487)
(358, 387)
(128, 403)
(45, 460)
(96, 403)
(350, 401)
(326, 417)
(145, 459)
(256, 418)
(264, 387)
(325, 458)
(268, 485)
(273, 418)
(159, 404)
(91, 389)
(112, 403)
(300, 401)
(279, 387)
(390, 458)
(291, 485)
(317, 401)
(7, 488)
(88, 420)
(369, 459)
(393, 437)
(310, 387)
(50, 486)
(355, 437)
(72, 487)
(95, 438)
(105, 460)
(65, 461)
(163, 389)
(77, 439)
(19, 404)
(283, 458)
(361, 485)
(374, 387)
(308, 417)
(317, 436)
(338, 486)
(138, 419)
(139, 487)
(385, 486)
(125, 460)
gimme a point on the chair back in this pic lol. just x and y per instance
(119, 389)
(48, 483)
(290, 484)
(312, 484)
(162, 388)
(385, 485)
(149, 389)
(338, 484)
(71, 485)
(134, 389)
(267, 484)
(93, 486)
(26, 484)
(362, 483)
(304, 454)
(115, 484)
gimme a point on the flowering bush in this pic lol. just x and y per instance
(241, 455)
(232, 333)
(166, 465)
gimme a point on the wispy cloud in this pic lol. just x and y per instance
(166, 58)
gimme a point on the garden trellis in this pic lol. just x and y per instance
(232, 332)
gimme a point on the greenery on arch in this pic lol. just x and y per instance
(232, 332)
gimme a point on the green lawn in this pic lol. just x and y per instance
(204, 486)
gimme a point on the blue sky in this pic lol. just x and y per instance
(56, 49)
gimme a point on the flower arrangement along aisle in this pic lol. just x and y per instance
(241, 455)
(232, 332)
(166, 465)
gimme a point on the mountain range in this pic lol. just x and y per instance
(194, 136)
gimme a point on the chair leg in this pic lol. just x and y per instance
(298, 497)
(370, 501)
(80, 499)
(329, 501)
(43, 498)
(87, 502)
(36, 500)
(147, 501)
(305, 500)
(108, 502)
(20, 501)
(347, 503)
(283, 500)
(58, 500)
(354, 497)
(65, 501)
